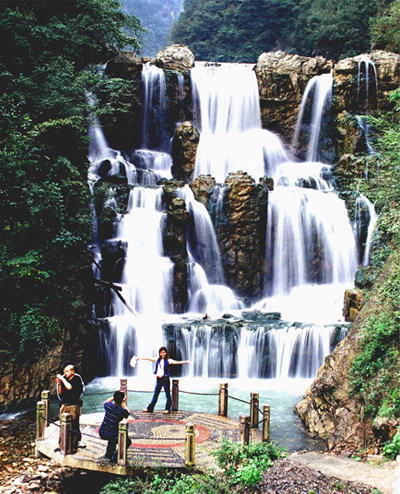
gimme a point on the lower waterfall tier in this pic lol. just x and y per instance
(255, 344)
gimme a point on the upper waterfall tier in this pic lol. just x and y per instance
(227, 112)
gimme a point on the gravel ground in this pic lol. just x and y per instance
(286, 477)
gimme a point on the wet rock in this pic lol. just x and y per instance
(175, 243)
(385, 428)
(202, 188)
(241, 235)
(350, 100)
(348, 169)
(184, 148)
(353, 302)
(282, 78)
(175, 57)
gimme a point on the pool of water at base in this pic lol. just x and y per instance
(281, 395)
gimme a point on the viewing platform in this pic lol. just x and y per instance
(180, 439)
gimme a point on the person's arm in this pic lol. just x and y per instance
(150, 359)
(61, 379)
(125, 406)
(109, 400)
(174, 362)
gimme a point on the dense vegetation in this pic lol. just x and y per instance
(45, 58)
(240, 467)
(375, 371)
(157, 18)
(240, 30)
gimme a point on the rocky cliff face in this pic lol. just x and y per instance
(21, 385)
(184, 148)
(241, 234)
(175, 243)
(329, 409)
(282, 79)
(350, 96)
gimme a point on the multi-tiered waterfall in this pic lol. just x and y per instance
(311, 252)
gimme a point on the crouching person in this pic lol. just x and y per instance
(116, 410)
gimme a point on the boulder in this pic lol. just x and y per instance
(282, 79)
(242, 234)
(175, 57)
(175, 243)
(202, 188)
(346, 89)
(353, 303)
(184, 148)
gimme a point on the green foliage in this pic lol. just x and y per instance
(245, 464)
(385, 29)
(240, 30)
(375, 370)
(392, 449)
(48, 49)
(241, 467)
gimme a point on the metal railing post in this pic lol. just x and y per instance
(190, 445)
(223, 400)
(45, 398)
(254, 404)
(66, 434)
(40, 420)
(123, 386)
(244, 425)
(122, 442)
(266, 422)
(175, 395)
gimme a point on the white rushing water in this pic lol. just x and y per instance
(227, 110)
(318, 94)
(311, 253)
(364, 227)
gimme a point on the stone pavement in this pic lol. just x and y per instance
(158, 440)
(385, 477)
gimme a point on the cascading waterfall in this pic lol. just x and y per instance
(367, 82)
(308, 268)
(367, 93)
(364, 226)
(319, 91)
(146, 280)
(227, 111)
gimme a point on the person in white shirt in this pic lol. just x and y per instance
(162, 376)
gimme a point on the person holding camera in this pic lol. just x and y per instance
(70, 389)
(116, 409)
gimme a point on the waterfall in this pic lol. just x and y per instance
(364, 226)
(318, 93)
(146, 279)
(311, 254)
(155, 109)
(227, 112)
(104, 161)
(203, 245)
(367, 79)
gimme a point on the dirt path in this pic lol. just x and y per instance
(385, 477)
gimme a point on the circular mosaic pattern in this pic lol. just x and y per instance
(162, 433)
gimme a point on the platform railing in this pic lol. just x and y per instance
(246, 422)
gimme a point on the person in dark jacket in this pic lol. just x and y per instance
(70, 389)
(116, 410)
(162, 377)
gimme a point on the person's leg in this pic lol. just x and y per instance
(166, 385)
(157, 389)
(62, 410)
(74, 410)
(111, 445)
